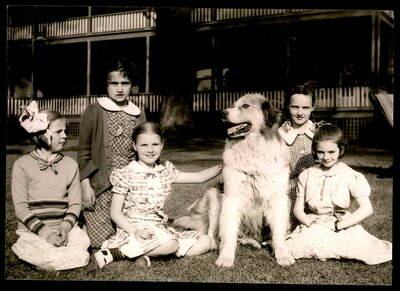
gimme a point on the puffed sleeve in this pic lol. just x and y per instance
(119, 182)
(301, 184)
(172, 170)
(359, 186)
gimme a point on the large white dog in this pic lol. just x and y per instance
(255, 180)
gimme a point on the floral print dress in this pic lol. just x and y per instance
(145, 194)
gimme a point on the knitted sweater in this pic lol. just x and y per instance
(43, 199)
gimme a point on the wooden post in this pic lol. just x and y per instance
(213, 74)
(378, 46)
(375, 47)
(148, 14)
(88, 51)
(34, 61)
(147, 89)
(88, 64)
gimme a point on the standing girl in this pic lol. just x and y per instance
(46, 195)
(297, 131)
(105, 143)
(329, 229)
(139, 193)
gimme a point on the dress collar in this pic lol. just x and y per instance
(333, 171)
(137, 167)
(289, 134)
(108, 104)
(46, 163)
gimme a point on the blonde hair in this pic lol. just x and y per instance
(39, 138)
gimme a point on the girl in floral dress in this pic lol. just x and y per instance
(139, 193)
(327, 228)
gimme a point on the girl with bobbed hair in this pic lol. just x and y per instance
(328, 228)
(332, 133)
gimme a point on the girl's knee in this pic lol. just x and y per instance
(205, 240)
(203, 245)
(167, 248)
(172, 245)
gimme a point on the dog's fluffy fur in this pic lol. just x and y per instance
(255, 180)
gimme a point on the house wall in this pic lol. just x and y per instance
(242, 56)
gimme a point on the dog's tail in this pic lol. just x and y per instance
(199, 212)
(188, 222)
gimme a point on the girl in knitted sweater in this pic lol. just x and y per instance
(46, 195)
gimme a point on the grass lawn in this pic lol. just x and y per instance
(251, 265)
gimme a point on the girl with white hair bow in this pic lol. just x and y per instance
(46, 195)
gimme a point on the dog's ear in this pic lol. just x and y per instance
(270, 113)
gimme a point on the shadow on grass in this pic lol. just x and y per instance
(381, 172)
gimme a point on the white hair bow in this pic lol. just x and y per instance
(31, 120)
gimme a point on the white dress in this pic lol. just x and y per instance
(326, 193)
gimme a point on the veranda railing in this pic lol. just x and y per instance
(132, 20)
(80, 26)
(347, 98)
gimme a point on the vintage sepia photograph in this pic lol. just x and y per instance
(245, 145)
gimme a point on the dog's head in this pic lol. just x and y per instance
(250, 113)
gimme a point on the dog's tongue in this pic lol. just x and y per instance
(234, 130)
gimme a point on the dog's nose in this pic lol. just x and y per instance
(224, 113)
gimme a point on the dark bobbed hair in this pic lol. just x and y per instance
(147, 127)
(38, 137)
(308, 89)
(126, 67)
(330, 132)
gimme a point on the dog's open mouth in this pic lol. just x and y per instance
(238, 130)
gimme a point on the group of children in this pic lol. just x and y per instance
(118, 187)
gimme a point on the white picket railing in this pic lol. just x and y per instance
(78, 26)
(343, 97)
(220, 14)
(133, 20)
(348, 98)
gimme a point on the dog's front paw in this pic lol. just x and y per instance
(224, 261)
(283, 258)
(285, 261)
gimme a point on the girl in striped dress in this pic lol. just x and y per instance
(46, 195)
(139, 193)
